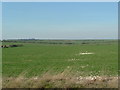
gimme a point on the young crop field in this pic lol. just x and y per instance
(65, 62)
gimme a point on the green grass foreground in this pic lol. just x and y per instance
(35, 58)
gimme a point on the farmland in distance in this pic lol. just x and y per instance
(59, 58)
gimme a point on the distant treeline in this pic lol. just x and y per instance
(61, 41)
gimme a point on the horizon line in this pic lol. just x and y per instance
(61, 39)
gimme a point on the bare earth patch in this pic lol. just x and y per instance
(85, 53)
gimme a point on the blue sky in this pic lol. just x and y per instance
(0, 21)
(60, 20)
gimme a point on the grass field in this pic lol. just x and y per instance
(72, 58)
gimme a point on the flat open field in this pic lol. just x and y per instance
(59, 58)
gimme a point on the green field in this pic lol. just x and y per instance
(37, 57)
